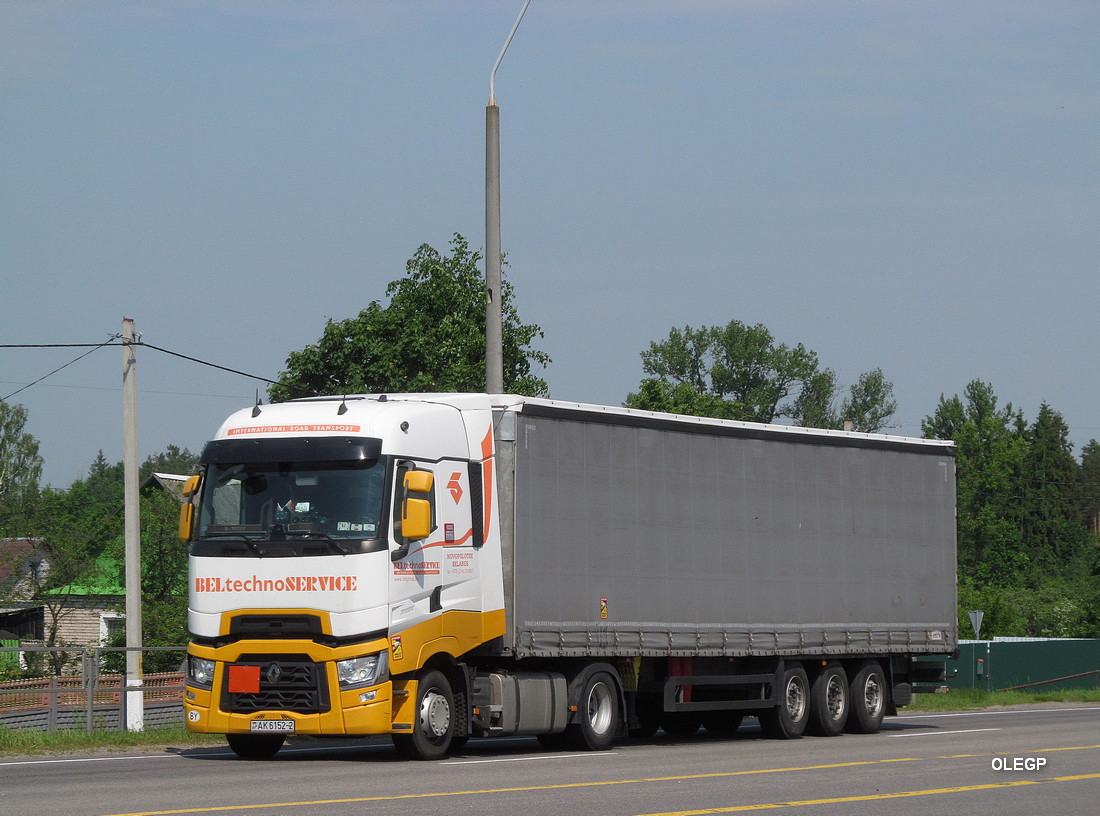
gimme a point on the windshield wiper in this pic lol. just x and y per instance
(332, 542)
(250, 542)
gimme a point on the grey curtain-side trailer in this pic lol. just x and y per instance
(715, 569)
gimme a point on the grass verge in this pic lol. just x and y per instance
(969, 699)
(23, 741)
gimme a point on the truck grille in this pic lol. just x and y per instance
(287, 683)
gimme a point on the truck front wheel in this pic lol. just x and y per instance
(788, 719)
(255, 746)
(599, 714)
(434, 726)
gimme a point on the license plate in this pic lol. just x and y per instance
(280, 726)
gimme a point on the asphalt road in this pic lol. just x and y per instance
(1032, 760)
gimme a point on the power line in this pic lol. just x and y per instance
(40, 379)
(95, 346)
(205, 363)
(117, 389)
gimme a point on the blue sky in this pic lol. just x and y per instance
(906, 185)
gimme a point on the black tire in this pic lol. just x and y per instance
(788, 719)
(867, 695)
(599, 714)
(255, 746)
(829, 702)
(723, 723)
(681, 723)
(435, 720)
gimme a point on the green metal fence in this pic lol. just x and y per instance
(1026, 664)
(9, 659)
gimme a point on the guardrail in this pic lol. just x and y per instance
(91, 699)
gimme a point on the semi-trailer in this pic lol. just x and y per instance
(444, 566)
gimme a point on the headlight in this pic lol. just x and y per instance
(200, 672)
(362, 671)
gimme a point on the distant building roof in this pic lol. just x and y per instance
(14, 553)
(170, 482)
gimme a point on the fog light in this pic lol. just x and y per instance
(366, 696)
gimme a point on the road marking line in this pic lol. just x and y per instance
(84, 759)
(942, 733)
(607, 783)
(529, 788)
(523, 759)
(874, 796)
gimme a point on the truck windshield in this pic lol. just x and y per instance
(285, 508)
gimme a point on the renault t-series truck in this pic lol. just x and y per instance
(444, 566)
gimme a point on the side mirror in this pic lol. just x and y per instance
(187, 521)
(417, 510)
(419, 481)
(191, 486)
(187, 510)
(416, 513)
(416, 519)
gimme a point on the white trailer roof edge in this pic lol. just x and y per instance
(632, 416)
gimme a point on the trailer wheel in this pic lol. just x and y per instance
(255, 746)
(435, 723)
(788, 719)
(868, 698)
(829, 702)
(599, 714)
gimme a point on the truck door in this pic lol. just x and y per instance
(462, 536)
(415, 561)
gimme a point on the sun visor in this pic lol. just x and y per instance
(297, 449)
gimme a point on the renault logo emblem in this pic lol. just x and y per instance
(274, 673)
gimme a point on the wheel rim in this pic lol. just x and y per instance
(435, 715)
(834, 698)
(600, 708)
(796, 699)
(872, 695)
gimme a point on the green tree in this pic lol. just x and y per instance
(990, 446)
(1023, 546)
(163, 580)
(740, 372)
(870, 402)
(431, 337)
(20, 468)
(1090, 486)
(1052, 523)
(171, 460)
(81, 530)
(73, 526)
